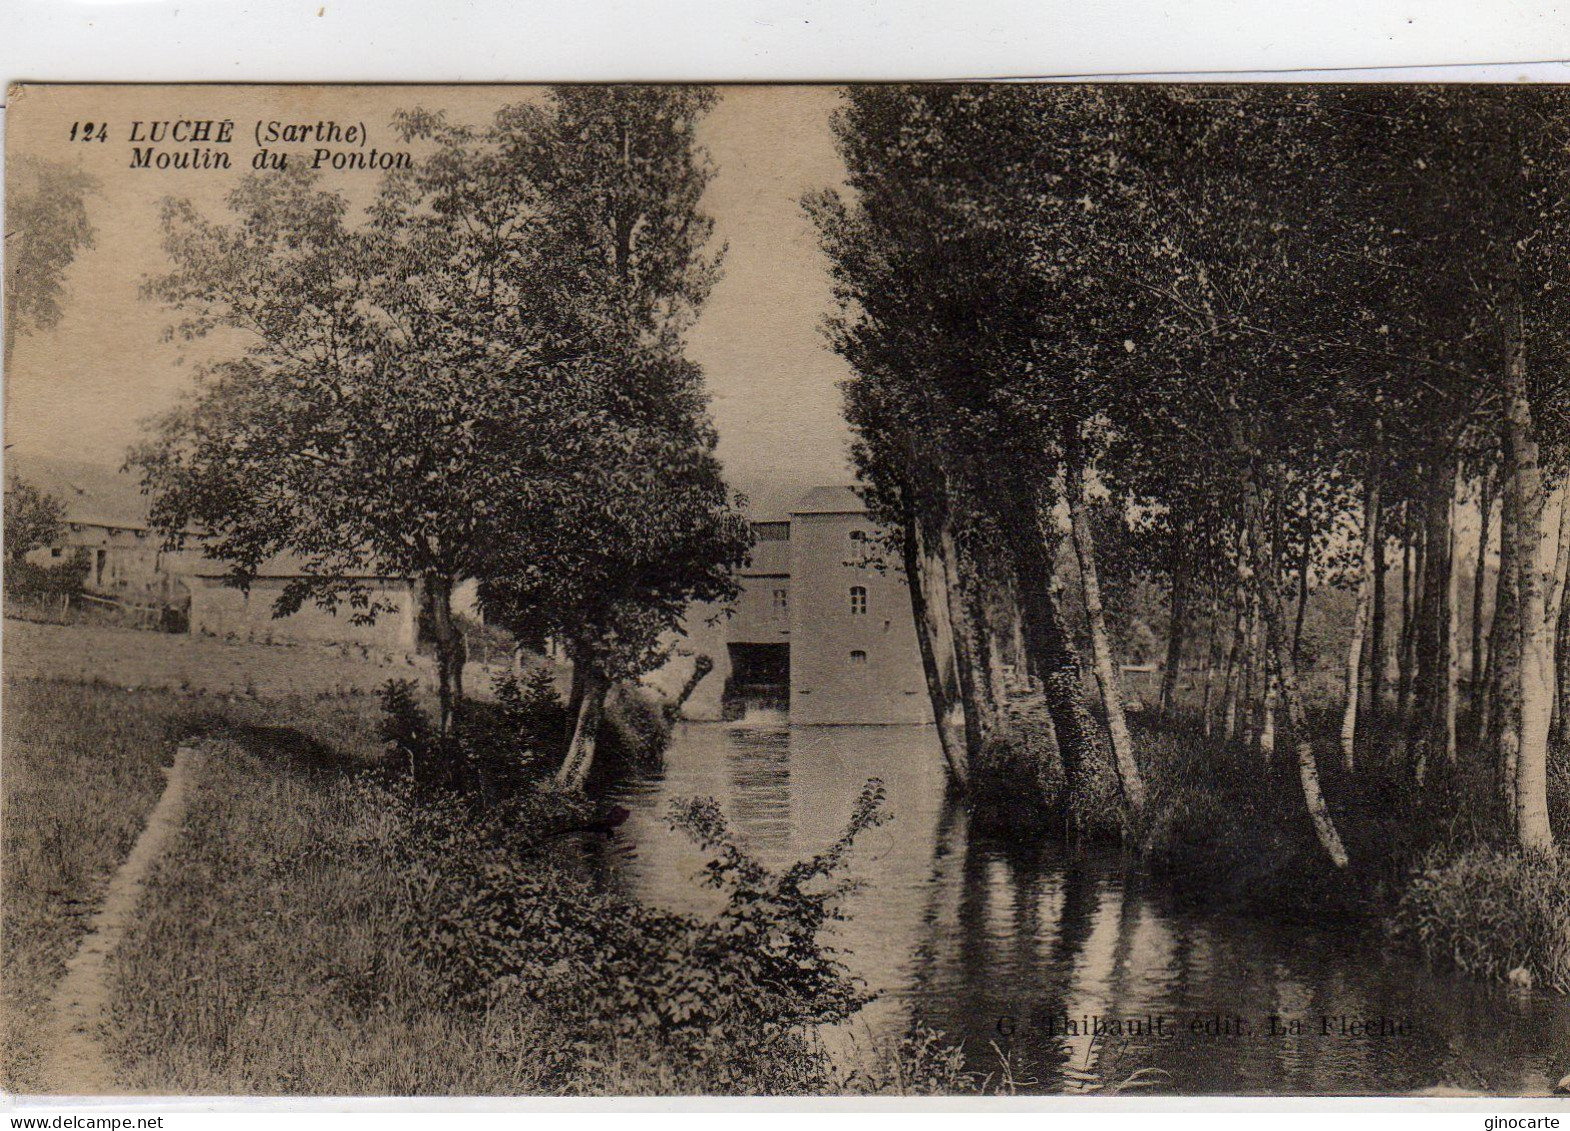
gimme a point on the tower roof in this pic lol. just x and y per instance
(830, 500)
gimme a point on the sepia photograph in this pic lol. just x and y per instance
(882, 590)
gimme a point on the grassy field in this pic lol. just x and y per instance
(82, 769)
(128, 658)
(274, 958)
(92, 717)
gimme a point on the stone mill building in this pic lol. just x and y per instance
(822, 628)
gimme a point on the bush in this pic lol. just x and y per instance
(1492, 914)
(405, 726)
(635, 731)
(1018, 783)
(1225, 826)
(503, 747)
(530, 708)
(25, 580)
(497, 917)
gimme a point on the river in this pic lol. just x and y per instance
(1019, 950)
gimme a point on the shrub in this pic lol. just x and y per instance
(768, 932)
(503, 747)
(530, 708)
(405, 726)
(27, 580)
(499, 917)
(634, 731)
(1018, 784)
(1491, 914)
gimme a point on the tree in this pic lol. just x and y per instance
(934, 295)
(394, 399)
(643, 525)
(648, 531)
(47, 224)
(33, 520)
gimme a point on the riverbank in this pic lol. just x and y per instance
(361, 959)
(1227, 825)
(297, 935)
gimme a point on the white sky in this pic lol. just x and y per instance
(80, 390)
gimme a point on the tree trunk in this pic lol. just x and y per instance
(448, 640)
(1556, 608)
(1420, 571)
(702, 665)
(1212, 661)
(1377, 655)
(934, 638)
(1535, 672)
(1267, 722)
(1232, 686)
(1176, 630)
(1501, 681)
(1452, 630)
(575, 766)
(1251, 700)
(1303, 564)
(1477, 669)
(974, 648)
(1105, 664)
(1278, 656)
(1048, 646)
(1407, 608)
(1431, 640)
(1365, 593)
(1562, 661)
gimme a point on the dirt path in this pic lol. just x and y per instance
(75, 1062)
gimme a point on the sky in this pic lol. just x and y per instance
(81, 390)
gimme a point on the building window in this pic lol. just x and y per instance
(858, 658)
(781, 603)
(858, 535)
(858, 600)
(772, 531)
(56, 551)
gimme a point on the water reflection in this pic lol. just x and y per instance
(1082, 973)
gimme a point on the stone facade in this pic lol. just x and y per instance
(123, 561)
(853, 651)
(822, 628)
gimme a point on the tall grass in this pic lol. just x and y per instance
(1497, 915)
(271, 956)
(82, 770)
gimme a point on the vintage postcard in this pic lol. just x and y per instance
(1020, 589)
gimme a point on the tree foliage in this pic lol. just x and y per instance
(46, 225)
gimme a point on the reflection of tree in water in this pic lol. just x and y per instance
(1002, 972)
(1113, 1064)
(949, 835)
(961, 929)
